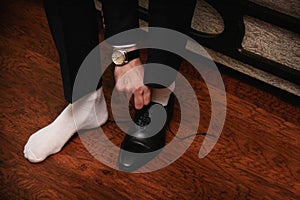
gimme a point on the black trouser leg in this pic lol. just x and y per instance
(119, 16)
(175, 15)
(74, 27)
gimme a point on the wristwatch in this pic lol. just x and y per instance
(121, 57)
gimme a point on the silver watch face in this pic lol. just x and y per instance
(118, 57)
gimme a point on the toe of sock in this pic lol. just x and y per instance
(29, 155)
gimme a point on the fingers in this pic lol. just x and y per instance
(138, 98)
(146, 95)
(129, 80)
(141, 97)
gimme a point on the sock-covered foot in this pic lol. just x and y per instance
(88, 112)
(162, 96)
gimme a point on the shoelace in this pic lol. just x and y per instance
(168, 126)
(143, 118)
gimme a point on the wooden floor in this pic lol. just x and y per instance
(256, 157)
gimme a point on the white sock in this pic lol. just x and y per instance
(162, 95)
(88, 112)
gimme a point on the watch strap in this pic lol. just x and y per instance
(132, 55)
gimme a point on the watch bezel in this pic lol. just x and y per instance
(124, 56)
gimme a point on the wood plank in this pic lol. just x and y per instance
(256, 157)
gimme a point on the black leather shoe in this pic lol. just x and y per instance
(146, 135)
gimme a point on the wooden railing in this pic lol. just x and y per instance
(229, 42)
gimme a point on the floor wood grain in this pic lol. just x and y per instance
(256, 157)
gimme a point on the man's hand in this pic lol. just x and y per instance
(129, 79)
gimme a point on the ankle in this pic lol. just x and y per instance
(90, 111)
(162, 95)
